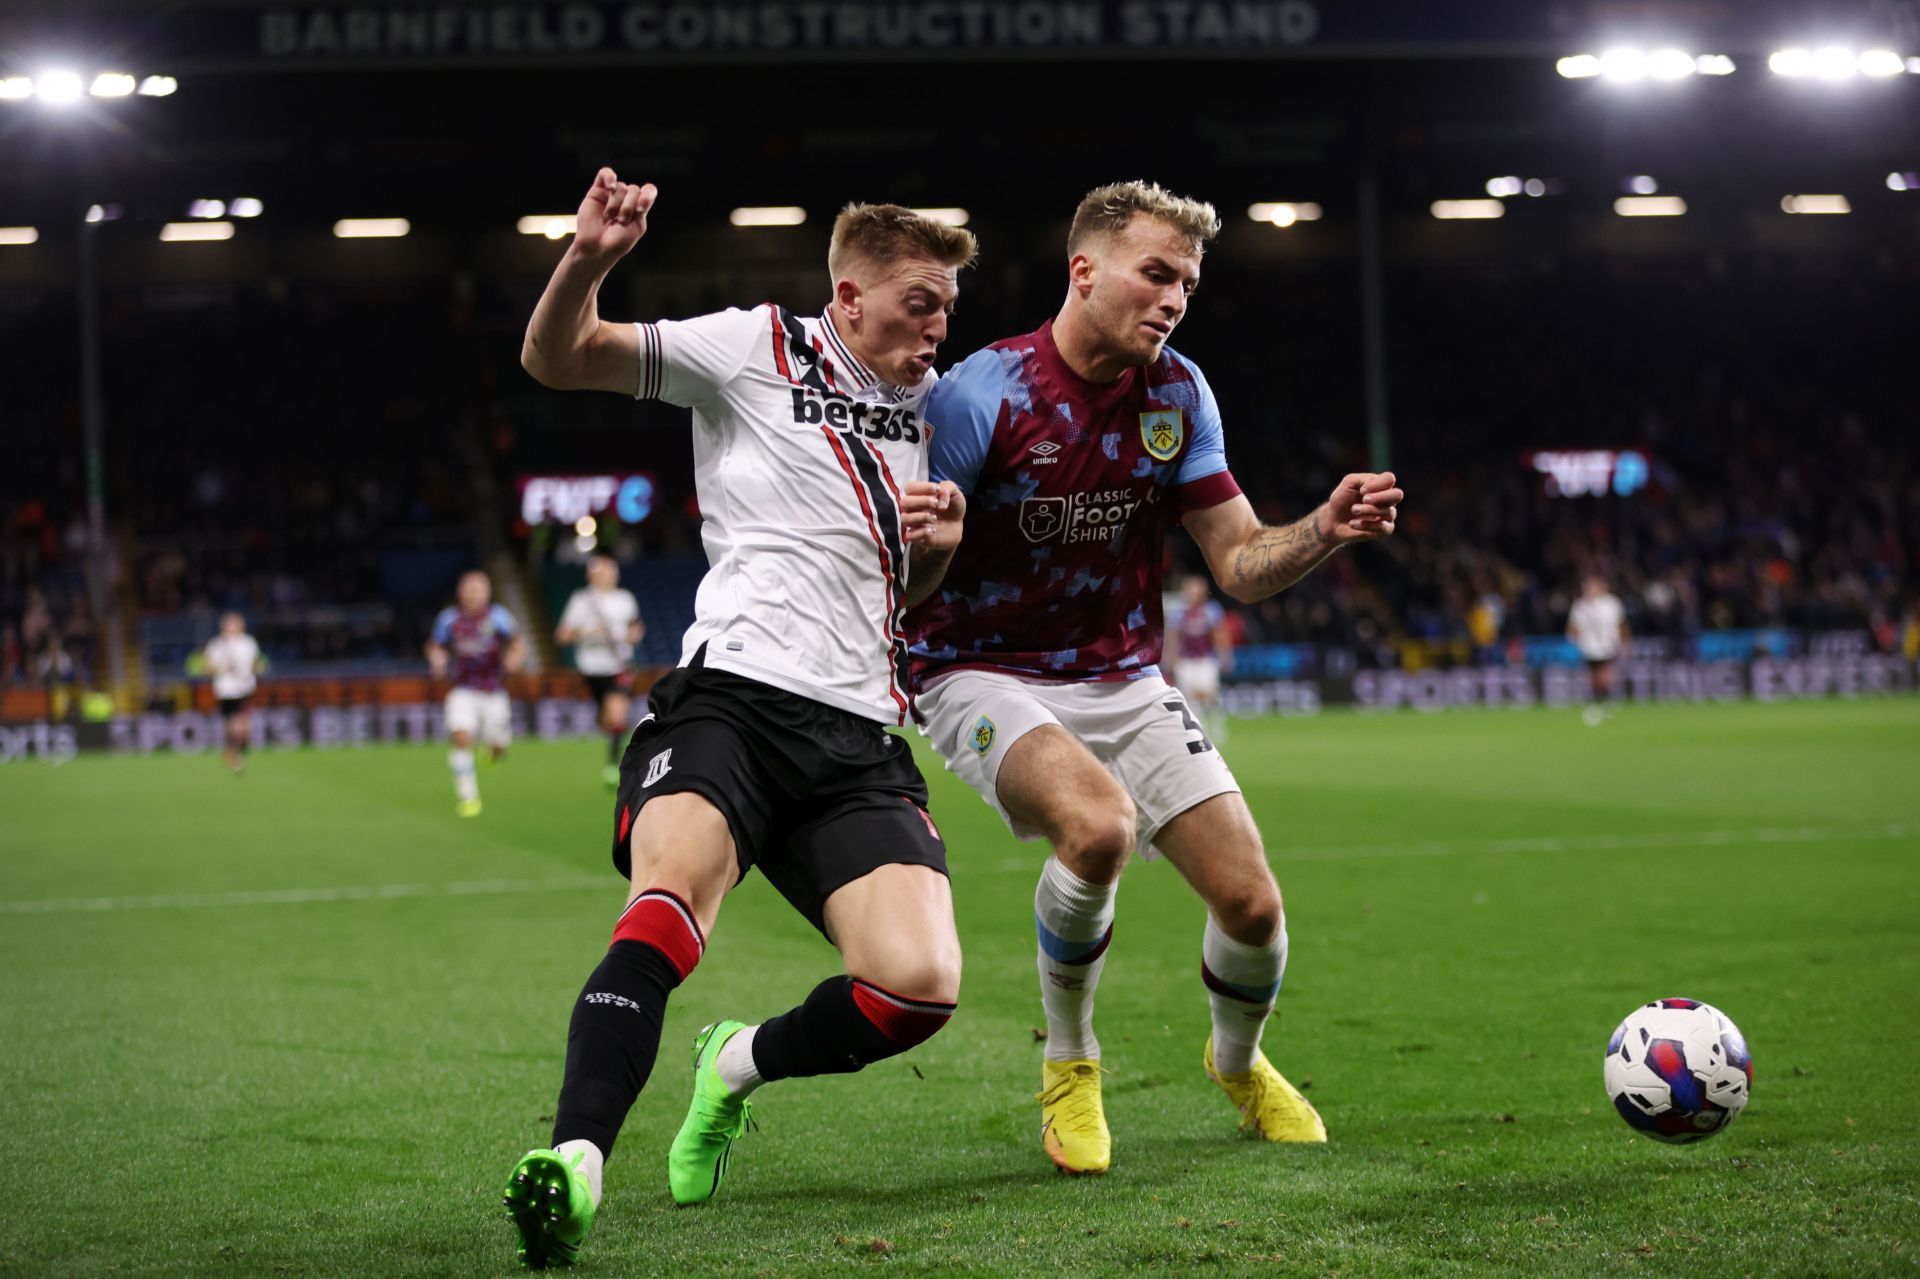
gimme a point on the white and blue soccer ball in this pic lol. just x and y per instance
(1678, 1070)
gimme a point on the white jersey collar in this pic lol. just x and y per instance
(857, 373)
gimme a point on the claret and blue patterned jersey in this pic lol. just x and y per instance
(1071, 485)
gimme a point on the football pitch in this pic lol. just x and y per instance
(302, 1023)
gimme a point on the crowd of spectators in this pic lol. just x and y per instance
(268, 448)
(278, 449)
(48, 633)
(1781, 488)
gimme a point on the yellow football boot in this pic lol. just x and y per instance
(1073, 1124)
(1267, 1103)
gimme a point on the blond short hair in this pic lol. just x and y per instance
(882, 234)
(1112, 208)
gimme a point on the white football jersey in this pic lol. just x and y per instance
(602, 619)
(800, 458)
(1595, 623)
(230, 660)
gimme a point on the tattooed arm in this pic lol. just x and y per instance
(1251, 560)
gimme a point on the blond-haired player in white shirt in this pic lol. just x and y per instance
(768, 746)
(234, 660)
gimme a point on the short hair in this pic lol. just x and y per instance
(1112, 208)
(884, 233)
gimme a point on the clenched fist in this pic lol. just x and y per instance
(613, 217)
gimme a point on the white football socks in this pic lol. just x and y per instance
(734, 1063)
(592, 1165)
(1242, 982)
(1074, 922)
(460, 760)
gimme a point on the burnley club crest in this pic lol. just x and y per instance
(1163, 431)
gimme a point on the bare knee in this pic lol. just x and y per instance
(1095, 842)
(929, 977)
(1251, 913)
(459, 740)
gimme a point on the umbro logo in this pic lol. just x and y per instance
(1043, 453)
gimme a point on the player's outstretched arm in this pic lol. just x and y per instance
(1251, 560)
(437, 659)
(932, 517)
(568, 346)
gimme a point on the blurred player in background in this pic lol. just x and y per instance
(1597, 625)
(1203, 652)
(480, 644)
(767, 746)
(234, 661)
(603, 623)
(1080, 443)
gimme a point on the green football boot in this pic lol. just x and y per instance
(698, 1159)
(552, 1207)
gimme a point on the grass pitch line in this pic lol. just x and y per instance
(1574, 843)
(1604, 843)
(303, 896)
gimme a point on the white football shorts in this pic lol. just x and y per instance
(488, 716)
(1140, 730)
(1198, 676)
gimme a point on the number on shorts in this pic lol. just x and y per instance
(1200, 747)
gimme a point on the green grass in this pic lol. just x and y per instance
(199, 1085)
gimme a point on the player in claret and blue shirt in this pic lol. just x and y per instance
(1035, 662)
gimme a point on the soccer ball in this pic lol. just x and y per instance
(1678, 1070)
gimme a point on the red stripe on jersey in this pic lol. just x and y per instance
(895, 620)
(826, 365)
(779, 344)
(886, 570)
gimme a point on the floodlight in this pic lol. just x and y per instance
(1879, 63)
(246, 207)
(1500, 188)
(554, 226)
(1792, 63)
(207, 209)
(1579, 66)
(950, 217)
(188, 232)
(1670, 64)
(1834, 62)
(371, 228)
(1641, 184)
(15, 88)
(1450, 210)
(1284, 213)
(1713, 64)
(18, 234)
(1649, 206)
(158, 86)
(1816, 204)
(1624, 64)
(58, 88)
(768, 215)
